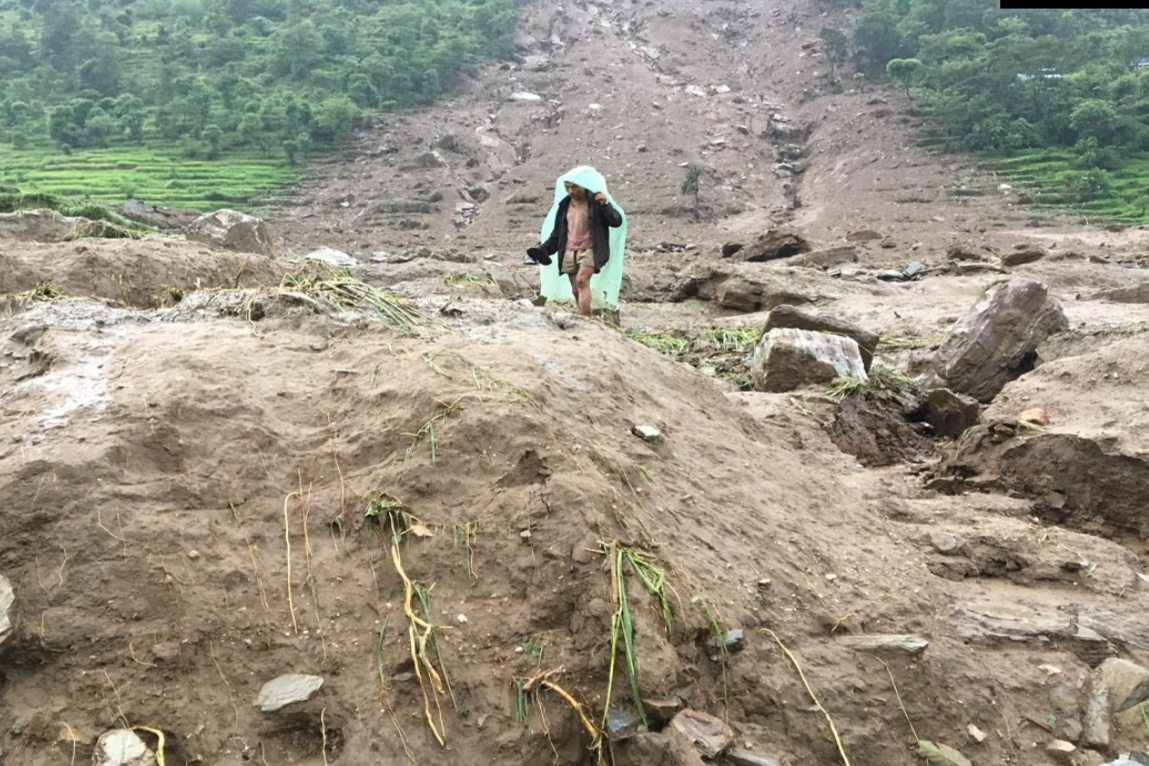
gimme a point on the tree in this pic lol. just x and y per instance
(1094, 118)
(904, 72)
(837, 47)
(690, 185)
(212, 136)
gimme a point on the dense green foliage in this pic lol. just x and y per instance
(1061, 97)
(206, 79)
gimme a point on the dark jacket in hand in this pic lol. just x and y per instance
(602, 216)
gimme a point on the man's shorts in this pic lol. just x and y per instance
(573, 260)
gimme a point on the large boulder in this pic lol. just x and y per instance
(233, 230)
(774, 245)
(7, 612)
(998, 341)
(788, 358)
(800, 319)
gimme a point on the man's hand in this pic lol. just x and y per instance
(600, 198)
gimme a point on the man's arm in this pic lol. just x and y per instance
(609, 212)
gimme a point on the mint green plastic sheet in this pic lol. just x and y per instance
(605, 285)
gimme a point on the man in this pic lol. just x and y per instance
(586, 230)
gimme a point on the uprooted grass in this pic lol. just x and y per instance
(101, 229)
(44, 291)
(328, 289)
(723, 351)
(884, 384)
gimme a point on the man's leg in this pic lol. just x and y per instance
(582, 291)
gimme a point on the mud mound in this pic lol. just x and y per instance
(194, 509)
(141, 273)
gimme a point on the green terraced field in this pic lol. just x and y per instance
(1043, 174)
(157, 175)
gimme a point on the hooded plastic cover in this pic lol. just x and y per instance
(605, 285)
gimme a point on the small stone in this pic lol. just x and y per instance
(647, 433)
(904, 644)
(710, 735)
(1061, 750)
(740, 757)
(285, 690)
(976, 734)
(122, 747)
(331, 256)
(831, 577)
(461, 619)
(620, 724)
(525, 534)
(7, 610)
(765, 583)
(1143, 577)
(193, 554)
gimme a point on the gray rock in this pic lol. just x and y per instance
(951, 414)
(740, 757)
(122, 747)
(1140, 756)
(621, 724)
(232, 230)
(801, 319)
(914, 269)
(878, 643)
(710, 735)
(332, 256)
(787, 358)
(647, 433)
(946, 543)
(285, 690)
(7, 611)
(997, 342)
(1138, 293)
(889, 275)
(1095, 726)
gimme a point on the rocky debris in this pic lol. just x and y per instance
(709, 734)
(1095, 723)
(647, 433)
(774, 245)
(825, 259)
(998, 341)
(232, 230)
(7, 611)
(878, 643)
(863, 235)
(732, 641)
(331, 256)
(788, 358)
(800, 319)
(621, 724)
(976, 734)
(1023, 255)
(286, 690)
(951, 414)
(739, 757)
(122, 747)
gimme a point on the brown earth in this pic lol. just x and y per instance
(187, 473)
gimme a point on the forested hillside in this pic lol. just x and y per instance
(205, 79)
(1061, 96)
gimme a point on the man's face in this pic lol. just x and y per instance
(576, 192)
